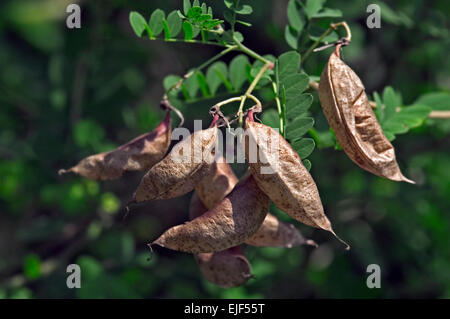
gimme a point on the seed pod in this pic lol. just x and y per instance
(274, 233)
(178, 173)
(279, 172)
(217, 184)
(347, 109)
(141, 153)
(229, 223)
(227, 268)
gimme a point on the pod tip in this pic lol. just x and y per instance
(311, 242)
(63, 171)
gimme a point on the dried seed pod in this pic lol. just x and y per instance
(178, 173)
(227, 268)
(229, 223)
(141, 153)
(347, 109)
(279, 172)
(274, 233)
(219, 182)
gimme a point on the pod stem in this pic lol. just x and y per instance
(333, 26)
(166, 105)
(342, 241)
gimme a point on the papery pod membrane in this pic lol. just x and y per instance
(178, 173)
(347, 109)
(274, 233)
(229, 223)
(139, 154)
(219, 182)
(279, 173)
(228, 268)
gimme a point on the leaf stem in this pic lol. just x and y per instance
(278, 102)
(250, 52)
(200, 67)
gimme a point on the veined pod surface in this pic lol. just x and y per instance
(219, 182)
(178, 173)
(347, 109)
(229, 223)
(279, 173)
(140, 153)
(274, 233)
(227, 268)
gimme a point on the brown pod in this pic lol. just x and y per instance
(274, 233)
(227, 268)
(219, 182)
(179, 172)
(141, 153)
(347, 109)
(229, 223)
(279, 172)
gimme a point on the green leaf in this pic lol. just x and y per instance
(170, 80)
(307, 164)
(379, 110)
(202, 84)
(194, 13)
(439, 101)
(196, 3)
(32, 266)
(407, 118)
(328, 13)
(297, 128)
(188, 30)
(191, 86)
(204, 8)
(239, 36)
(271, 118)
(291, 37)
(245, 23)
(156, 22)
(295, 84)
(294, 17)
(298, 105)
(166, 29)
(229, 3)
(229, 17)
(174, 24)
(313, 6)
(216, 75)
(237, 71)
(244, 10)
(304, 147)
(138, 23)
(288, 64)
(391, 101)
(186, 6)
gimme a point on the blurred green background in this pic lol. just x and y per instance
(66, 94)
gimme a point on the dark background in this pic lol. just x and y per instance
(66, 94)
